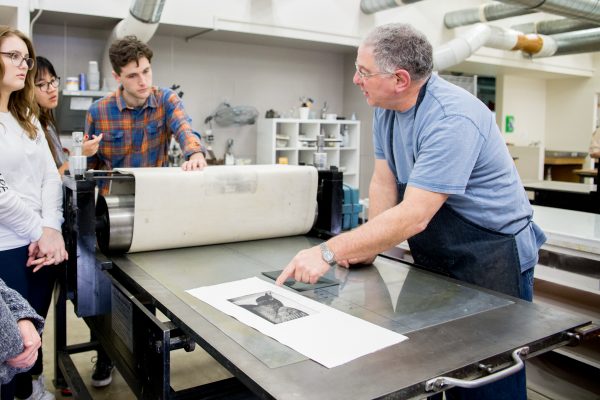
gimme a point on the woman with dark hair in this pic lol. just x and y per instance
(31, 241)
(46, 96)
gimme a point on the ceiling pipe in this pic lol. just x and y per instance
(585, 41)
(587, 10)
(552, 27)
(142, 21)
(460, 48)
(484, 13)
(372, 6)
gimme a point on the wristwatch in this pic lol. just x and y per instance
(327, 254)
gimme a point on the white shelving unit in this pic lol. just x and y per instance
(295, 140)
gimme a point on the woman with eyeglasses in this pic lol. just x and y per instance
(31, 241)
(46, 96)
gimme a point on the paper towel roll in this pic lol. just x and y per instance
(176, 208)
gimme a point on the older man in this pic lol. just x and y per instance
(443, 180)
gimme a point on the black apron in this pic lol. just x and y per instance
(453, 246)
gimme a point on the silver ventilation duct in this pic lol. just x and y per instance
(487, 12)
(372, 6)
(552, 27)
(147, 11)
(587, 10)
(586, 41)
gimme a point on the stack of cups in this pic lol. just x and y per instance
(93, 76)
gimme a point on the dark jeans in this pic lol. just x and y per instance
(37, 289)
(509, 388)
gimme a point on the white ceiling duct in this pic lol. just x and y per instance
(484, 13)
(460, 48)
(142, 21)
(552, 27)
(372, 6)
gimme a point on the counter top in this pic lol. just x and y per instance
(559, 186)
(564, 160)
(570, 229)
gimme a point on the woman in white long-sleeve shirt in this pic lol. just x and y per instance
(30, 186)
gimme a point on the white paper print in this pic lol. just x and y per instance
(322, 333)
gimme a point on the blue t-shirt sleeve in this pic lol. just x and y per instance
(378, 135)
(446, 155)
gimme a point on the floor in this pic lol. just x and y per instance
(551, 376)
(188, 369)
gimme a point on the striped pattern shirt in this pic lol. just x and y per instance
(139, 137)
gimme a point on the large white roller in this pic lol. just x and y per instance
(175, 208)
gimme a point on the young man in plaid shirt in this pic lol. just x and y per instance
(137, 120)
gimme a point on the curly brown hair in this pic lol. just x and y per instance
(22, 104)
(126, 50)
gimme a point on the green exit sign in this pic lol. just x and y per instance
(509, 124)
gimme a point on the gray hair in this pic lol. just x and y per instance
(400, 46)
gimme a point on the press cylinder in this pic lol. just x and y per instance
(114, 229)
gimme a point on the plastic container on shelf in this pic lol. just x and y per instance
(72, 83)
(93, 76)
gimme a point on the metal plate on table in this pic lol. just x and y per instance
(388, 294)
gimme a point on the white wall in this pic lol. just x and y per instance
(570, 113)
(525, 99)
(14, 14)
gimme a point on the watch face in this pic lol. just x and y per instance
(327, 254)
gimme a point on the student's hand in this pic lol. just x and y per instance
(307, 266)
(32, 253)
(90, 146)
(64, 167)
(31, 343)
(50, 250)
(195, 163)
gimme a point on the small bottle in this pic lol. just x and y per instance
(320, 157)
(345, 137)
(324, 110)
(77, 161)
(82, 82)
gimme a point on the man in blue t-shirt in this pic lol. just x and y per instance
(443, 180)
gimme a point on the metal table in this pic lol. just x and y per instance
(453, 328)
(567, 195)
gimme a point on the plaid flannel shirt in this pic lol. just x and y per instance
(139, 137)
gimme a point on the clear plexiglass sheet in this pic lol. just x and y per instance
(389, 294)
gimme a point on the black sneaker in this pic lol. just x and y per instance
(102, 375)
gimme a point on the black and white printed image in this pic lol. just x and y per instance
(273, 307)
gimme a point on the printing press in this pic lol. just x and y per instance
(135, 253)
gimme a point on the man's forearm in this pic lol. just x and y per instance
(381, 197)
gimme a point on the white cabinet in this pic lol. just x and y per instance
(282, 140)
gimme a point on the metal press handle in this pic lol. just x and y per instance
(445, 382)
